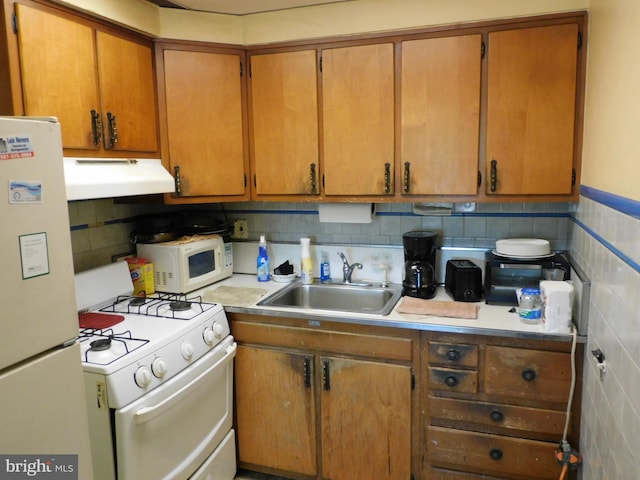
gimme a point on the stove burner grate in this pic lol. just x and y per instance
(101, 340)
(176, 306)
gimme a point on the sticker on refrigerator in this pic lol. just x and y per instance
(25, 192)
(15, 146)
(34, 255)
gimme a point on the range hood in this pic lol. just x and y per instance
(91, 178)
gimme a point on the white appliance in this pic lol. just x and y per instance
(88, 178)
(159, 381)
(188, 263)
(42, 405)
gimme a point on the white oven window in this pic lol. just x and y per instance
(171, 431)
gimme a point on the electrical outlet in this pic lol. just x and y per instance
(240, 229)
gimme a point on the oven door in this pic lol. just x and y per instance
(170, 432)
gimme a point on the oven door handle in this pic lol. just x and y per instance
(147, 413)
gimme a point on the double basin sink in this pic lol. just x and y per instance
(337, 297)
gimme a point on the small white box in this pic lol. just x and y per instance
(557, 301)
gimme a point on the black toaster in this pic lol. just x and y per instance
(463, 281)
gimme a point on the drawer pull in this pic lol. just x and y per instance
(529, 374)
(451, 381)
(495, 454)
(497, 416)
(453, 355)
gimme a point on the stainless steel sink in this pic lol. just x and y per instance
(336, 297)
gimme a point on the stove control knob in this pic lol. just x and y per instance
(209, 336)
(187, 350)
(218, 330)
(159, 367)
(142, 376)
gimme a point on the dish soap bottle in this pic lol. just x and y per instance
(306, 265)
(263, 261)
(325, 269)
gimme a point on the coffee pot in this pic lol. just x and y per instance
(419, 264)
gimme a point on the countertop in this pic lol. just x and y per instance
(492, 319)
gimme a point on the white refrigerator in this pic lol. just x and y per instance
(43, 414)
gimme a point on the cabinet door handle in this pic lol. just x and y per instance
(96, 128)
(326, 380)
(313, 178)
(387, 177)
(451, 381)
(407, 177)
(177, 180)
(453, 355)
(307, 372)
(494, 175)
(497, 416)
(112, 131)
(529, 374)
(496, 453)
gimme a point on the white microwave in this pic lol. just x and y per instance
(188, 263)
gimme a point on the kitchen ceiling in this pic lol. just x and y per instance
(240, 7)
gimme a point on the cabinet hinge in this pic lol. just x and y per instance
(14, 22)
(479, 178)
(245, 180)
(241, 69)
(255, 182)
(249, 69)
(323, 180)
(320, 63)
(579, 40)
(413, 383)
(573, 177)
(483, 50)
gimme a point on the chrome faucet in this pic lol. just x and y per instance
(347, 270)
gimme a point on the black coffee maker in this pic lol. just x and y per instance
(419, 264)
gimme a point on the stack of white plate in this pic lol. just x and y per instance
(523, 248)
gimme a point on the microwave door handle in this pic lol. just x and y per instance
(147, 413)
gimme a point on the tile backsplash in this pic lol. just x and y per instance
(100, 228)
(605, 243)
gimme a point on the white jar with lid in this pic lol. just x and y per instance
(530, 305)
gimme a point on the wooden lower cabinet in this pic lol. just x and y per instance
(495, 407)
(325, 402)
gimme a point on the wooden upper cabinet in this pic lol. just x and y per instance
(284, 109)
(202, 95)
(127, 85)
(440, 115)
(531, 107)
(358, 120)
(99, 85)
(57, 59)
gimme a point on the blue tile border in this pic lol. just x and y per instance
(617, 202)
(411, 214)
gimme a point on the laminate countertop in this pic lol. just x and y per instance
(241, 293)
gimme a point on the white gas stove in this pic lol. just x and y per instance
(143, 356)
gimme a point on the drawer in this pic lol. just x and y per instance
(525, 373)
(458, 354)
(512, 418)
(441, 474)
(492, 454)
(453, 380)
